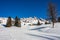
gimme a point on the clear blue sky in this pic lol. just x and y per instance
(26, 8)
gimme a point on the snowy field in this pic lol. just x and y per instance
(42, 32)
(29, 32)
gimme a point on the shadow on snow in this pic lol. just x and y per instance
(46, 37)
(38, 28)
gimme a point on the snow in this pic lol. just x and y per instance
(30, 32)
(14, 33)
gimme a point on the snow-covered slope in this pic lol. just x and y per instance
(15, 33)
(27, 32)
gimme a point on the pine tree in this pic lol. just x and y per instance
(9, 24)
(17, 22)
(38, 23)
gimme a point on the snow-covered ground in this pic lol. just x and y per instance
(34, 32)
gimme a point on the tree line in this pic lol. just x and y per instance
(17, 22)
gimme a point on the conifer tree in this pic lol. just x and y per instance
(38, 23)
(9, 24)
(17, 22)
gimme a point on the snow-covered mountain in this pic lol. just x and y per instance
(34, 20)
(26, 21)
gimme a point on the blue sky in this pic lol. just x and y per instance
(26, 8)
